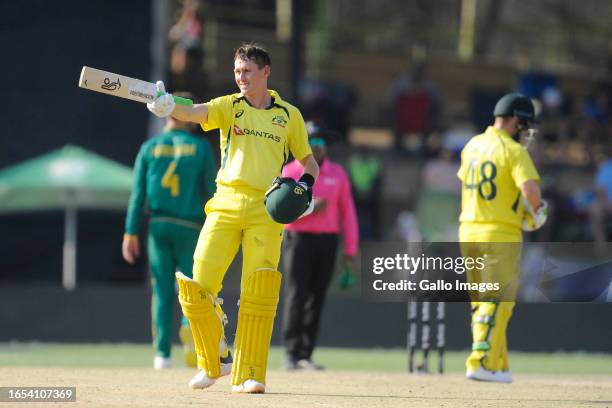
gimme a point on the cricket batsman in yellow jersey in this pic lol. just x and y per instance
(258, 132)
(500, 197)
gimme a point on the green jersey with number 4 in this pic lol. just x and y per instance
(174, 176)
(493, 167)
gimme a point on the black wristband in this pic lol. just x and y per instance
(308, 179)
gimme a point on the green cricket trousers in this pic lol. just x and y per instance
(171, 244)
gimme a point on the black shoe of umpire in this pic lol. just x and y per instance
(291, 363)
(308, 364)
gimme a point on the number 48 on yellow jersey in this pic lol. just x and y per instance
(487, 190)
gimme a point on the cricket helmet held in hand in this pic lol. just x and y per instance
(286, 200)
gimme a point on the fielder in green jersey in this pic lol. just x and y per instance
(173, 178)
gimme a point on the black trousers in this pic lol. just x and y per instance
(308, 261)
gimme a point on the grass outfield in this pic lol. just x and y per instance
(381, 360)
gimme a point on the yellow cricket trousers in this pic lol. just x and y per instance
(235, 216)
(491, 312)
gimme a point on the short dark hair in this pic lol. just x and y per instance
(253, 52)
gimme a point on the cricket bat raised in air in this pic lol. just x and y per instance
(122, 86)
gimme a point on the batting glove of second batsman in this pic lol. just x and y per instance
(534, 219)
(164, 104)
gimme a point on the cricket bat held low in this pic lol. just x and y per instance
(122, 86)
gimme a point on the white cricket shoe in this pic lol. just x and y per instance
(491, 376)
(201, 380)
(249, 387)
(162, 363)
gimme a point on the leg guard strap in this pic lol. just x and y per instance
(481, 345)
(488, 320)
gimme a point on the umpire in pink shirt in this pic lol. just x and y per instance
(309, 252)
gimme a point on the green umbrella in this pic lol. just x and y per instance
(68, 178)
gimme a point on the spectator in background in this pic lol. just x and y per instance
(186, 57)
(596, 111)
(601, 208)
(328, 104)
(365, 171)
(309, 252)
(598, 106)
(532, 82)
(596, 129)
(438, 200)
(416, 105)
(555, 125)
(174, 176)
(439, 173)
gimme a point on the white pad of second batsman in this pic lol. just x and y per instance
(164, 104)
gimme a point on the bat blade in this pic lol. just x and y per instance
(117, 85)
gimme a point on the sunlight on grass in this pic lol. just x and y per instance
(389, 360)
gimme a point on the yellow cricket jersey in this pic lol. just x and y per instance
(493, 167)
(255, 143)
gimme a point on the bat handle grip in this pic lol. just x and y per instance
(178, 100)
(182, 101)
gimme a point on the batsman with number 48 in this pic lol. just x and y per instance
(500, 196)
(258, 131)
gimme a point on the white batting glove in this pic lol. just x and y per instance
(308, 190)
(309, 210)
(164, 104)
(533, 220)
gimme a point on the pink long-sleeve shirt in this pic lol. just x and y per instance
(339, 214)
